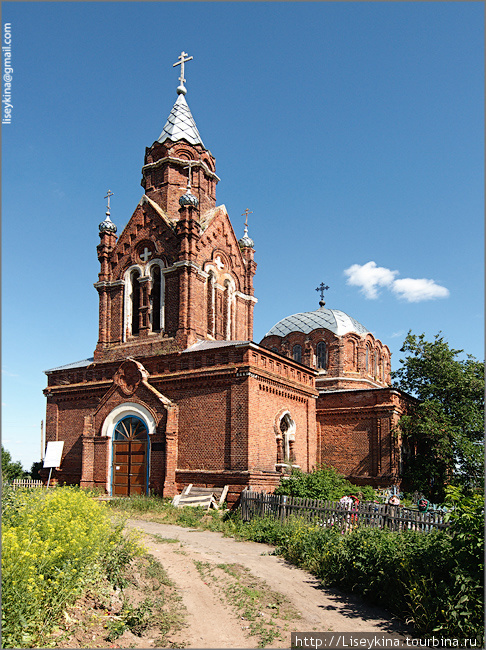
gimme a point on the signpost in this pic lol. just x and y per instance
(53, 456)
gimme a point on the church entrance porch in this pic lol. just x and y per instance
(130, 451)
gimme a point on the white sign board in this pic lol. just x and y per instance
(53, 454)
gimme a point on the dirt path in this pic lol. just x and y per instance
(213, 623)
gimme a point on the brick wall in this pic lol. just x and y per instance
(355, 433)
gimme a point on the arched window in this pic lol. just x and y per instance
(367, 358)
(135, 297)
(321, 353)
(211, 303)
(229, 308)
(156, 297)
(130, 428)
(297, 353)
(352, 361)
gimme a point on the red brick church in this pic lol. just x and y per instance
(177, 392)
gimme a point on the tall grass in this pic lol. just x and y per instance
(56, 545)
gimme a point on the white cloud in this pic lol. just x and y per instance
(369, 278)
(419, 289)
(9, 374)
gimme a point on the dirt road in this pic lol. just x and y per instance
(212, 619)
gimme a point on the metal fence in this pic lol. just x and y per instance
(343, 516)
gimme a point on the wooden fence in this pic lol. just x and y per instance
(26, 483)
(342, 516)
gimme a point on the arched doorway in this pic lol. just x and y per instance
(130, 457)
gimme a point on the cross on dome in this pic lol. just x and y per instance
(245, 241)
(108, 194)
(245, 214)
(189, 166)
(322, 287)
(182, 59)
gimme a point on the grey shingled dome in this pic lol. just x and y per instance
(330, 319)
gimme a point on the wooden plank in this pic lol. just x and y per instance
(223, 495)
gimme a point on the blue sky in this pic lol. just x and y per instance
(352, 130)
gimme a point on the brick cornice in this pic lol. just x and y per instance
(180, 161)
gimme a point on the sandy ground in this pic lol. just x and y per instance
(212, 623)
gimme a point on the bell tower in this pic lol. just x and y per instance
(166, 160)
(177, 273)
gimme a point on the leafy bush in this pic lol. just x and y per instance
(433, 580)
(322, 483)
(464, 609)
(56, 544)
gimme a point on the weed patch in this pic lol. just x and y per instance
(250, 598)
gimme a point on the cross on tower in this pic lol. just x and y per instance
(189, 166)
(108, 194)
(181, 63)
(322, 287)
(245, 214)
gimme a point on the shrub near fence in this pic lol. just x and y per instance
(339, 515)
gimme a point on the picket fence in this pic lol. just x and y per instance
(26, 483)
(342, 516)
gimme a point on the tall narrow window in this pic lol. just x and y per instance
(155, 298)
(229, 307)
(135, 302)
(321, 352)
(210, 303)
(297, 353)
(367, 358)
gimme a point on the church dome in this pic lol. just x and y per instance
(246, 241)
(188, 199)
(107, 225)
(330, 319)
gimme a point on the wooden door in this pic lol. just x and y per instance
(130, 443)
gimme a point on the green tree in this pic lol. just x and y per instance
(442, 433)
(35, 470)
(11, 470)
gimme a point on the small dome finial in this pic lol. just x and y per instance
(322, 287)
(245, 241)
(107, 225)
(188, 199)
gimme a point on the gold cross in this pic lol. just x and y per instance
(245, 214)
(181, 63)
